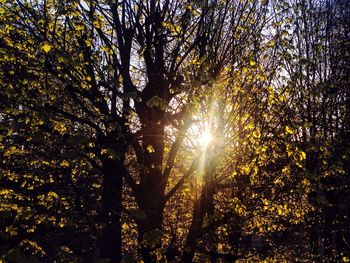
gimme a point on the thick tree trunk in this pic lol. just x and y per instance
(150, 197)
(150, 227)
(111, 247)
(149, 238)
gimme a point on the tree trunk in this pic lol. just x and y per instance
(111, 247)
(199, 212)
(150, 227)
(149, 238)
(150, 197)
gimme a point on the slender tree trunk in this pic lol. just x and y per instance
(199, 212)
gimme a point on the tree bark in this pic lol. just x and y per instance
(111, 246)
(150, 197)
(200, 209)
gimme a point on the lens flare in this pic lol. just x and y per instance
(205, 139)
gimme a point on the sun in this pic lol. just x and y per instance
(205, 139)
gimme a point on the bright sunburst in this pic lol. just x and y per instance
(205, 138)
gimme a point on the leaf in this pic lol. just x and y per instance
(60, 127)
(159, 255)
(302, 155)
(96, 24)
(289, 130)
(46, 47)
(64, 163)
(150, 149)
(220, 247)
(256, 134)
(125, 226)
(79, 27)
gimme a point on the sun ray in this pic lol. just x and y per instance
(205, 139)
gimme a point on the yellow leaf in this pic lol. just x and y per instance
(159, 255)
(125, 226)
(220, 248)
(62, 222)
(11, 151)
(252, 63)
(150, 149)
(79, 27)
(280, 211)
(88, 43)
(289, 130)
(96, 185)
(256, 134)
(52, 194)
(96, 24)
(64, 163)
(46, 47)
(60, 127)
(271, 43)
(31, 230)
(233, 174)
